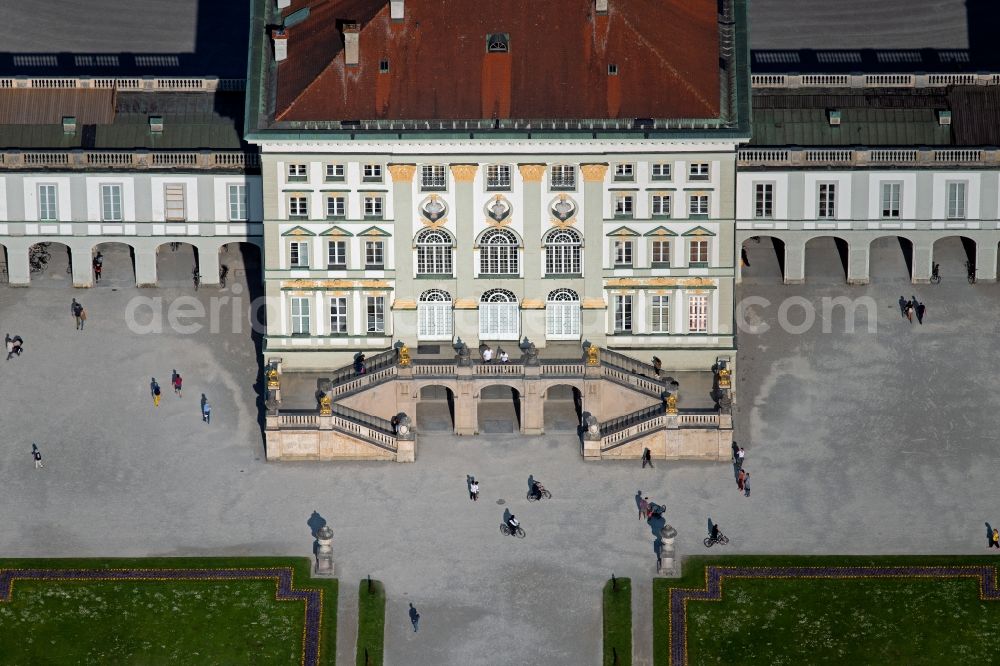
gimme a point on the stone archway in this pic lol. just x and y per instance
(890, 258)
(50, 264)
(563, 408)
(955, 254)
(499, 409)
(435, 409)
(117, 260)
(762, 259)
(826, 259)
(240, 263)
(176, 264)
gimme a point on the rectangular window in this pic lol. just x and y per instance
(298, 207)
(623, 253)
(890, 199)
(498, 177)
(373, 206)
(763, 202)
(111, 203)
(624, 205)
(433, 177)
(698, 253)
(173, 202)
(623, 313)
(697, 314)
(376, 314)
(300, 315)
(698, 171)
(335, 173)
(562, 177)
(661, 253)
(625, 171)
(298, 254)
(661, 205)
(827, 200)
(336, 206)
(659, 310)
(47, 211)
(660, 171)
(338, 316)
(336, 255)
(956, 201)
(297, 173)
(374, 254)
(237, 203)
(372, 173)
(698, 204)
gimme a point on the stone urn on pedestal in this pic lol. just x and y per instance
(324, 551)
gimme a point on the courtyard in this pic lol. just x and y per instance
(864, 442)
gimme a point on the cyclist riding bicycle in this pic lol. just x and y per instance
(715, 532)
(513, 525)
(536, 490)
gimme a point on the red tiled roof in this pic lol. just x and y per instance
(666, 51)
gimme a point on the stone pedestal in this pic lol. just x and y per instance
(667, 552)
(591, 437)
(324, 553)
(406, 441)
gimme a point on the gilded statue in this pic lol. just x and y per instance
(725, 381)
(272, 378)
(404, 357)
(325, 405)
(672, 403)
(593, 357)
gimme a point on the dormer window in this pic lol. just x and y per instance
(612, 70)
(383, 66)
(497, 42)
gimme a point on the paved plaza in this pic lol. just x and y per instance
(857, 443)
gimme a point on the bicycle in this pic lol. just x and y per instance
(196, 276)
(722, 540)
(505, 530)
(543, 494)
(970, 269)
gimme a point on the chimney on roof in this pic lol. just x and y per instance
(156, 124)
(69, 125)
(833, 115)
(944, 117)
(396, 10)
(283, 4)
(280, 38)
(351, 46)
(601, 6)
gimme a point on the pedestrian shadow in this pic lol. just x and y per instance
(638, 500)
(989, 528)
(316, 522)
(531, 482)
(656, 524)
(710, 525)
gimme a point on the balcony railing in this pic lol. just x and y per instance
(128, 159)
(872, 80)
(850, 158)
(126, 84)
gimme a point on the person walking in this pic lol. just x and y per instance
(78, 314)
(9, 343)
(647, 458)
(414, 618)
(740, 455)
(736, 450)
(746, 485)
(474, 490)
(36, 456)
(178, 384)
(921, 308)
(995, 538)
(156, 395)
(644, 508)
(206, 410)
(740, 478)
(909, 311)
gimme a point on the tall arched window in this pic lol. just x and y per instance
(562, 315)
(562, 252)
(498, 250)
(434, 252)
(434, 315)
(499, 318)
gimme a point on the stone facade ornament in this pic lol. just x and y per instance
(433, 208)
(272, 377)
(402, 173)
(463, 356)
(324, 552)
(498, 211)
(593, 172)
(593, 355)
(532, 172)
(725, 380)
(671, 402)
(531, 354)
(404, 356)
(464, 173)
(563, 208)
(326, 405)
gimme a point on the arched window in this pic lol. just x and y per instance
(434, 252)
(498, 253)
(499, 317)
(434, 315)
(562, 252)
(562, 315)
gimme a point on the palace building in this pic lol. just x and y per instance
(561, 172)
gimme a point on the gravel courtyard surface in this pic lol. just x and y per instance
(856, 443)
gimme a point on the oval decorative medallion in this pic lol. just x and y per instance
(498, 211)
(433, 209)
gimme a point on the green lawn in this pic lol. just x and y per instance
(160, 621)
(371, 623)
(859, 620)
(618, 623)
